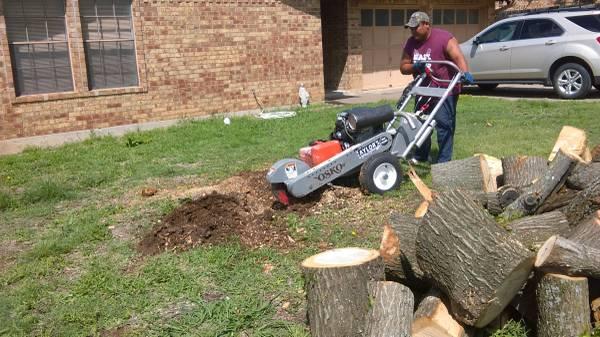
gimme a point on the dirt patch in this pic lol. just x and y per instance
(241, 206)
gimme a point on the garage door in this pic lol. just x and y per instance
(463, 23)
(383, 39)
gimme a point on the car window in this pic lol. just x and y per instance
(538, 28)
(500, 33)
(589, 22)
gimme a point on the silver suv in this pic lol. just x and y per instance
(559, 48)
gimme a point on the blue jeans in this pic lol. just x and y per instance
(445, 125)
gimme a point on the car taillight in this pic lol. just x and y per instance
(598, 39)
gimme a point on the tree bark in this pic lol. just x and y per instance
(336, 283)
(475, 262)
(391, 310)
(563, 306)
(587, 232)
(534, 230)
(492, 203)
(557, 200)
(585, 203)
(470, 174)
(583, 175)
(541, 189)
(398, 250)
(433, 319)
(563, 256)
(522, 171)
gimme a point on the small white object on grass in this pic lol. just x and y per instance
(226, 120)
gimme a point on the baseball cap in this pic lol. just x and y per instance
(416, 18)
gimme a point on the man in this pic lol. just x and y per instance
(433, 44)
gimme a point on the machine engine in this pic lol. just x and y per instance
(351, 127)
(358, 124)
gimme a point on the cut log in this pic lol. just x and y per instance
(432, 316)
(557, 200)
(495, 168)
(595, 306)
(398, 250)
(534, 230)
(476, 263)
(563, 256)
(585, 203)
(587, 232)
(533, 196)
(425, 192)
(595, 153)
(492, 203)
(507, 194)
(391, 310)
(336, 283)
(583, 175)
(470, 174)
(422, 209)
(571, 140)
(525, 301)
(522, 171)
(563, 306)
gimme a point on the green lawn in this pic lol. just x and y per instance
(64, 273)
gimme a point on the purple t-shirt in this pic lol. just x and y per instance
(433, 49)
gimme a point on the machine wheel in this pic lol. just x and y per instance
(572, 81)
(380, 174)
(487, 86)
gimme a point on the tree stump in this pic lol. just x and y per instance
(533, 196)
(587, 232)
(433, 319)
(522, 171)
(534, 230)
(563, 306)
(583, 175)
(336, 283)
(398, 250)
(469, 174)
(563, 256)
(585, 203)
(475, 262)
(391, 310)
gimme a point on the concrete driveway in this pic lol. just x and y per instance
(505, 91)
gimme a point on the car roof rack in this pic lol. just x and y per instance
(556, 9)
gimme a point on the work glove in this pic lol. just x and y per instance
(467, 78)
(418, 67)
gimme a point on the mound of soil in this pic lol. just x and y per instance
(241, 206)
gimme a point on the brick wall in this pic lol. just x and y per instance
(195, 57)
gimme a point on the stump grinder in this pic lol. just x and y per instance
(368, 141)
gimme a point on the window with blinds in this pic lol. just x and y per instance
(38, 46)
(109, 43)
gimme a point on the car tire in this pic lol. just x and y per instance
(572, 81)
(487, 86)
(380, 173)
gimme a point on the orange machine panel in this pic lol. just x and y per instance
(320, 152)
